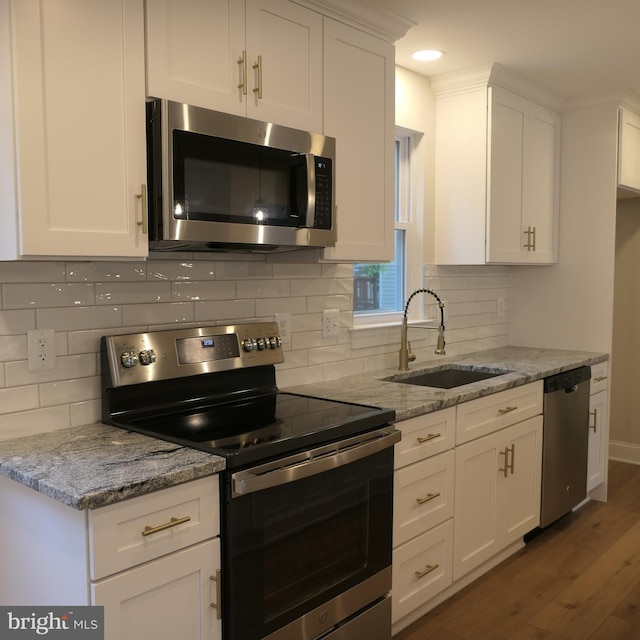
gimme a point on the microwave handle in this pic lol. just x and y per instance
(311, 190)
(292, 469)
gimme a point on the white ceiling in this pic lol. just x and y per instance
(572, 48)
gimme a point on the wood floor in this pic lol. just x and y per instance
(578, 580)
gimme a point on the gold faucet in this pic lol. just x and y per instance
(406, 356)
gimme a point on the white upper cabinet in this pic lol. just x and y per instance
(497, 171)
(359, 113)
(629, 150)
(76, 102)
(256, 58)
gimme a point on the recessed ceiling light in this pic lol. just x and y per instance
(427, 54)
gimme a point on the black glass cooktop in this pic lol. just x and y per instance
(258, 428)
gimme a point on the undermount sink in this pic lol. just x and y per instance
(447, 377)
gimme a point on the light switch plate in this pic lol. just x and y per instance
(330, 323)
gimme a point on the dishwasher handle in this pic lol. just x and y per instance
(567, 380)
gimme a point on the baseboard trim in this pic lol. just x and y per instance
(624, 452)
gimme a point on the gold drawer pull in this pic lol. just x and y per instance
(594, 426)
(599, 378)
(217, 606)
(428, 569)
(506, 410)
(428, 497)
(431, 436)
(174, 522)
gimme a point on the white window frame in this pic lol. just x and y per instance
(411, 206)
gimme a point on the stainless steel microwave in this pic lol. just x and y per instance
(224, 182)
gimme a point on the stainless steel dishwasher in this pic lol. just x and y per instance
(564, 443)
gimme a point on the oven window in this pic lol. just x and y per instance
(291, 548)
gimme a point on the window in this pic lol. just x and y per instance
(379, 289)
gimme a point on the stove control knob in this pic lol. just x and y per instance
(262, 344)
(147, 356)
(275, 342)
(129, 359)
(249, 345)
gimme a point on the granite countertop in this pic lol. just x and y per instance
(96, 465)
(525, 364)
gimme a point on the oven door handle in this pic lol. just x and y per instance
(311, 463)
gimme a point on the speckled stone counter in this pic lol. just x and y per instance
(95, 465)
(524, 364)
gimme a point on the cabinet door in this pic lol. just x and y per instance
(79, 85)
(476, 534)
(359, 113)
(598, 422)
(285, 85)
(168, 598)
(518, 493)
(522, 204)
(629, 149)
(497, 492)
(194, 53)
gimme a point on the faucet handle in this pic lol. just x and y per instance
(410, 356)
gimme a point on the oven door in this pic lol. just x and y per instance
(307, 540)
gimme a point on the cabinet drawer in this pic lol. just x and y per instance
(421, 569)
(599, 377)
(491, 413)
(116, 538)
(423, 496)
(425, 436)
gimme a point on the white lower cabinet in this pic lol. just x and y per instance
(598, 427)
(467, 487)
(497, 497)
(172, 597)
(151, 561)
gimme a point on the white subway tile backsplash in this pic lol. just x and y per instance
(84, 301)
(69, 391)
(27, 423)
(13, 348)
(67, 368)
(22, 272)
(203, 290)
(132, 292)
(264, 289)
(181, 270)
(18, 399)
(88, 412)
(77, 318)
(161, 313)
(36, 296)
(17, 322)
(106, 271)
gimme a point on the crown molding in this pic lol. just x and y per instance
(364, 15)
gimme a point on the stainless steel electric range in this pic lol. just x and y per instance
(306, 497)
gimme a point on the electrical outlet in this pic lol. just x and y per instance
(41, 349)
(284, 327)
(501, 307)
(330, 323)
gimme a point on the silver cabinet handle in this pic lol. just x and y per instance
(218, 601)
(258, 67)
(428, 497)
(242, 61)
(142, 196)
(428, 569)
(594, 426)
(174, 522)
